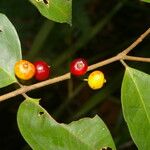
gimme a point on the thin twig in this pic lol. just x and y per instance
(67, 76)
(102, 63)
(133, 58)
(23, 94)
(25, 89)
(136, 42)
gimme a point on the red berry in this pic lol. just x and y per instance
(78, 67)
(42, 70)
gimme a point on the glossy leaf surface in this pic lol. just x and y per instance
(10, 51)
(42, 132)
(136, 106)
(56, 10)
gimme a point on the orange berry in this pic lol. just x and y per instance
(24, 70)
(96, 80)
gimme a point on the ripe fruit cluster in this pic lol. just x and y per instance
(25, 70)
(96, 79)
(40, 70)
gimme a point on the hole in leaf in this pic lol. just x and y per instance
(106, 148)
(40, 113)
(46, 1)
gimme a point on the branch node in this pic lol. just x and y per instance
(121, 55)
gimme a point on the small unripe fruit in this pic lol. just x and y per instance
(96, 80)
(78, 67)
(24, 70)
(42, 70)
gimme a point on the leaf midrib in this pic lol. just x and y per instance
(136, 86)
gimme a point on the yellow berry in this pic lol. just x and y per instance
(96, 80)
(24, 70)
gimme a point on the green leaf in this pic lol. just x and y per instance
(148, 1)
(56, 10)
(135, 95)
(42, 132)
(10, 51)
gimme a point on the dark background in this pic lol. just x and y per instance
(100, 30)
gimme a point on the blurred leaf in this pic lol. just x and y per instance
(56, 10)
(136, 106)
(40, 38)
(99, 96)
(42, 132)
(10, 51)
(148, 1)
(86, 37)
(82, 24)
